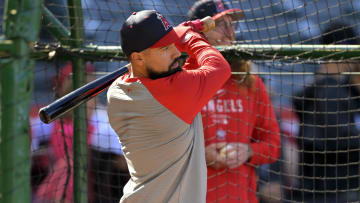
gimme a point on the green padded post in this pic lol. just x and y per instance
(21, 27)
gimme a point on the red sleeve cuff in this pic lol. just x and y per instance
(254, 159)
(260, 157)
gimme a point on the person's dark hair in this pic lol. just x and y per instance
(339, 33)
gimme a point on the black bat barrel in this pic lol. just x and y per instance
(70, 101)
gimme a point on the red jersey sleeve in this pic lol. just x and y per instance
(185, 93)
(266, 147)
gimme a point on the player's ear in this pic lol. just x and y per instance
(137, 58)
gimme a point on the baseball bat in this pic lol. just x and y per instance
(70, 101)
(77, 97)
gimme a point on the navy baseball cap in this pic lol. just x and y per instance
(148, 29)
(214, 8)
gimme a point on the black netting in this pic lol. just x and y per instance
(314, 92)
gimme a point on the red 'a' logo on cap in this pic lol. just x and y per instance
(220, 6)
(165, 23)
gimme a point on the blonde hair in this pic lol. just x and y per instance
(240, 65)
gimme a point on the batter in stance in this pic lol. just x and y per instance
(155, 108)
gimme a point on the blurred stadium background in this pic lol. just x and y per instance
(267, 22)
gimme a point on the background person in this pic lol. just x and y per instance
(54, 168)
(58, 185)
(328, 139)
(241, 130)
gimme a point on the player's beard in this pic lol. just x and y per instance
(156, 75)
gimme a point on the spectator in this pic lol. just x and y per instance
(58, 185)
(240, 126)
(328, 139)
(39, 138)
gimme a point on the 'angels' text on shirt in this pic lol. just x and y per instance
(224, 106)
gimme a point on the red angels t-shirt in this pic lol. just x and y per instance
(240, 114)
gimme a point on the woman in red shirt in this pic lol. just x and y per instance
(240, 127)
(241, 132)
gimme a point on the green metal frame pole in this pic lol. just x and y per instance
(272, 52)
(80, 124)
(21, 26)
(55, 27)
(291, 52)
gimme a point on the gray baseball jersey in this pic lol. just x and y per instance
(160, 129)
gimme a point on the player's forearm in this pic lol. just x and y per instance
(209, 58)
(202, 55)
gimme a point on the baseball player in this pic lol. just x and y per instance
(155, 108)
(240, 126)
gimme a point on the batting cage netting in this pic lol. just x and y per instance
(293, 101)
